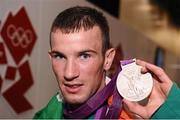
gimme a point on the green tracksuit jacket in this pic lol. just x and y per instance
(169, 110)
(171, 107)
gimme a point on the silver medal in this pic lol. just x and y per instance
(132, 84)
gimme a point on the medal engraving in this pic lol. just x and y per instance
(132, 84)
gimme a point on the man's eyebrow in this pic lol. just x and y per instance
(56, 52)
(53, 51)
(87, 51)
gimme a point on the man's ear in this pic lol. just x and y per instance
(109, 57)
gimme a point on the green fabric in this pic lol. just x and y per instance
(54, 110)
(169, 110)
(171, 107)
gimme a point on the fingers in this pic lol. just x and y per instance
(150, 67)
(143, 64)
(159, 72)
(157, 93)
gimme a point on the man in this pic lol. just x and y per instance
(80, 55)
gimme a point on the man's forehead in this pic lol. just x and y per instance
(91, 35)
(74, 29)
(84, 38)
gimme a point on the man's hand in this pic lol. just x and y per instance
(161, 87)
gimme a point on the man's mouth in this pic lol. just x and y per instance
(73, 88)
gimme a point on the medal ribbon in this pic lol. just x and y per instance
(116, 107)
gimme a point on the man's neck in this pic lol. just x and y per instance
(72, 107)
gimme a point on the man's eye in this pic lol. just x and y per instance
(57, 56)
(85, 56)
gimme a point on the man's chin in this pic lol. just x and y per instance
(74, 101)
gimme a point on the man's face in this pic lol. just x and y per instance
(78, 63)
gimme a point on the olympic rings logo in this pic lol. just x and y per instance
(19, 36)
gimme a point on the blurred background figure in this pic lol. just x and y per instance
(166, 12)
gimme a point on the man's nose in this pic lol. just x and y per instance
(71, 70)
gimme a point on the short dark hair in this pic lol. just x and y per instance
(75, 18)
